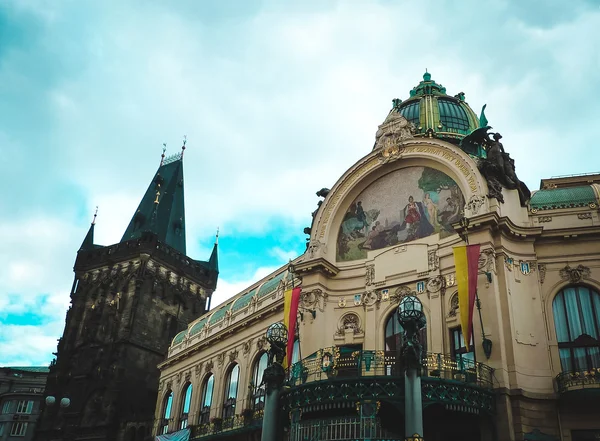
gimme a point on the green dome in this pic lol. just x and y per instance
(436, 114)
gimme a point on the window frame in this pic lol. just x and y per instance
(204, 414)
(167, 406)
(24, 407)
(584, 340)
(230, 402)
(21, 425)
(186, 399)
(6, 407)
(459, 353)
(258, 386)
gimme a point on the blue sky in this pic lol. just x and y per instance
(276, 98)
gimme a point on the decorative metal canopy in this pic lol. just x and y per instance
(277, 335)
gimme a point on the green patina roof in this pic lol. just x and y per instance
(219, 314)
(179, 337)
(567, 197)
(243, 301)
(198, 327)
(36, 369)
(270, 285)
(166, 218)
(434, 112)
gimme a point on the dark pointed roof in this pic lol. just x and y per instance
(213, 262)
(88, 242)
(161, 210)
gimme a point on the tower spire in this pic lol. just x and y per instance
(213, 262)
(162, 157)
(88, 241)
(183, 146)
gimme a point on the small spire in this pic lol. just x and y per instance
(95, 214)
(217, 237)
(183, 146)
(162, 157)
(213, 261)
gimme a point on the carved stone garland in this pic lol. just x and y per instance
(349, 322)
(574, 275)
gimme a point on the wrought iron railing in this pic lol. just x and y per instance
(219, 426)
(338, 429)
(330, 363)
(571, 380)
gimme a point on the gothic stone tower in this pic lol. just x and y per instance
(127, 303)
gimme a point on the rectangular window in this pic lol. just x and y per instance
(458, 347)
(2, 429)
(6, 406)
(24, 406)
(18, 429)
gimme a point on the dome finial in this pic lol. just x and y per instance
(426, 75)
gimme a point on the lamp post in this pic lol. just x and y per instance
(63, 404)
(273, 376)
(412, 319)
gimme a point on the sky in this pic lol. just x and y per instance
(277, 99)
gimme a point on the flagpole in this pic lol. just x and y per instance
(486, 343)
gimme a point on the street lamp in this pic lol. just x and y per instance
(412, 319)
(273, 376)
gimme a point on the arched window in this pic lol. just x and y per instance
(206, 399)
(394, 338)
(258, 387)
(394, 334)
(185, 406)
(577, 321)
(166, 414)
(231, 389)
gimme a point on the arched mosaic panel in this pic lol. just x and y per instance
(400, 207)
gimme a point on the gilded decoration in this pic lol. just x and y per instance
(342, 302)
(574, 275)
(402, 206)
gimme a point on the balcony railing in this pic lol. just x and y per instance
(329, 363)
(219, 426)
(575, 380)
(339, 429)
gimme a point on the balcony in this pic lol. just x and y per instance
(331, 379)
(219, 427)
(571, 381)
(339, 429)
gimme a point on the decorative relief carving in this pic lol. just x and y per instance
(316, 248)
(209, 366)
(313, 300)
(369, 298)
(394, 130)
(342, 302)
(450, 280)
(221, 359)
(349, 323)
(542, 271)
(178, 378)
(575, 275)
(487, 260)
(370, 275)
(247, 346)
(169, 384)
(261, 343)
(433, 260)
(400, 293)
(435, 284)
(453, 305)
(233, 355)
(543, 219)
(584, 215)
(198, 370)
(188, 376)
(475, 203)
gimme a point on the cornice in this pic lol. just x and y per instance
(319, 264)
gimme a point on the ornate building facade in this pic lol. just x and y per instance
(434, 179)
(21, 395)
(127, 303)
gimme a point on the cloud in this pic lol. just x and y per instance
(277, 100)
(227, 290)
